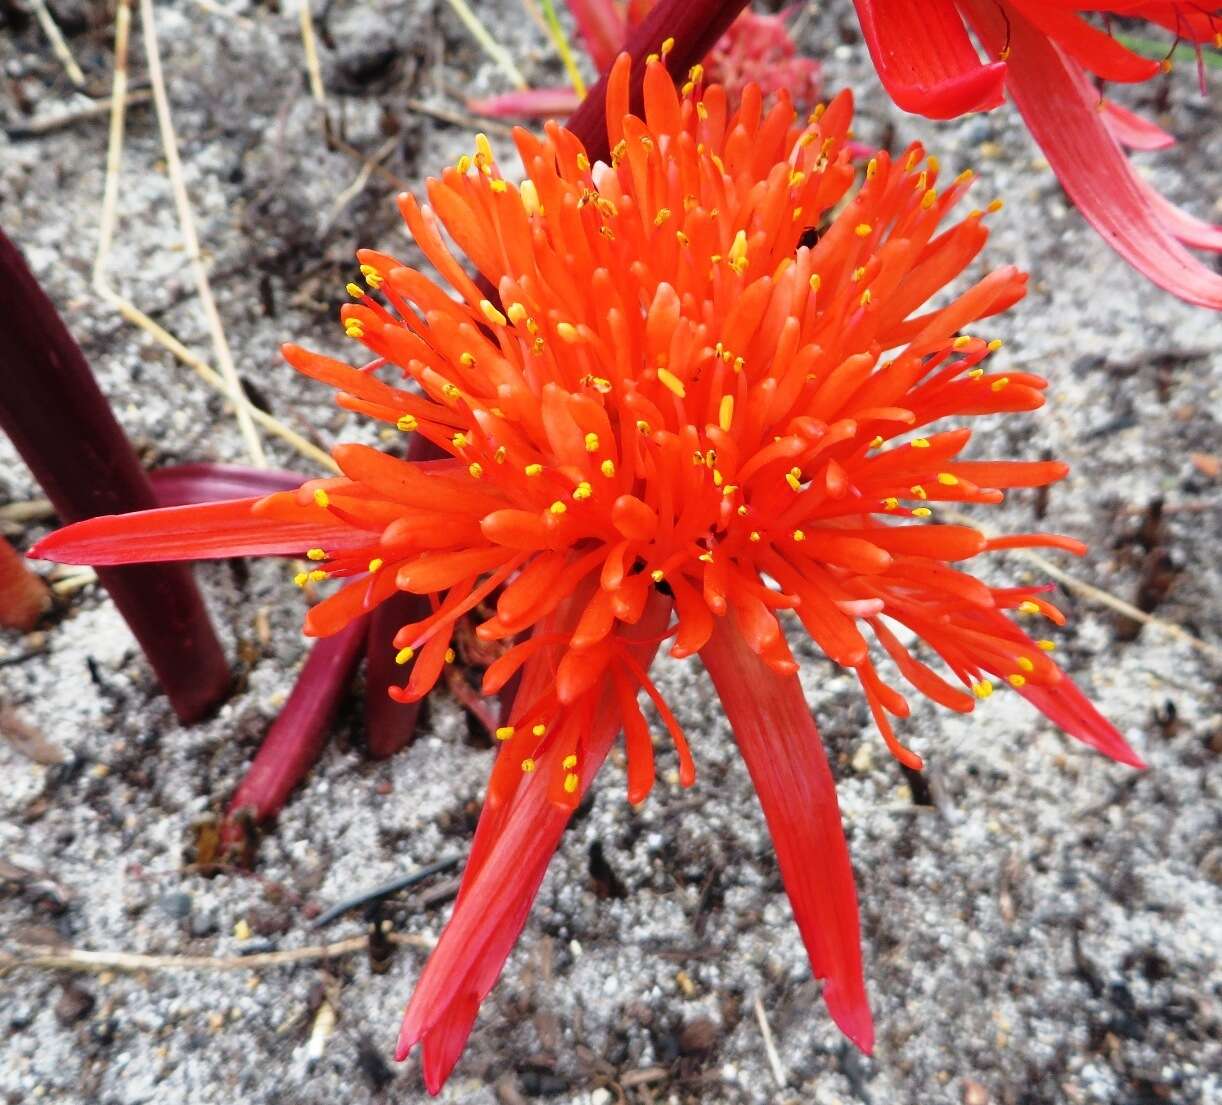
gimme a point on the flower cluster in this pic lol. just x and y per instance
(693, 400)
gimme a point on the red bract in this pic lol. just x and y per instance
(693, 414)
(1045, 53)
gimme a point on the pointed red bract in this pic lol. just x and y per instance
(781, 748)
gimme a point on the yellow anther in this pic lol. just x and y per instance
(964, 176)
(858, 273)
(702, 112)
(866, 296)
(976, 373)
(530, 198)
(449, 656)
(729, 490)
(504, 732)
(667, 45)
(1045, 645)
(929, 198)
(961, 342)
(652, 59)
(353, 329)
(407, 423)
(1028, 607)
(890, 503)
(922, 512)
(1025, 664)
(742, 511)
(450, 391)
(539, 729)
(671, 382)
(681, 238)
(528, 765)
(533, 469)
(516, 313)
(933, 163)
(815, 281)
(754, 535)
(317, 575)
(863, 230)
(321, 498)
(355, 290)
(501, 454)
(705, 558)
(582, 491)
(798, 535)
(475, 469)
(592, 442)
(491, 313)
(376, 564)
(657, 575)
(919, 491)
(920, 443)
(662, 215)
(463, 165)
(301, 578)
(570, 783)
(696, 74)
(718, 478)
(998, 385)
(1166, 65)
(948, 479)
(982, 689)
(483, 148)
(995, 345)
(467, 360)
(566, 331)
(404, 655)
(995, 206)
(796, 177)
(607, 468)
(498, 186)
(1016, 680)
(315, 554)
(557, 507)
(738, 248)
(460, 440)
(871, 168)
(794, 478)
(569, 762)
(643, 426)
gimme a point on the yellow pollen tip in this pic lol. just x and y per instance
(607, 468)
(406, 423)
(570, 783)
(404, 655)
(450, 391)
(976, 373)
(475, 469)
(1016, 680)
(301, 578)
(863, 230)
(317, 576)
(657, 575)
(878, 442)
(919, 491)
(321, 498)
(516, 313)
(582, 491)
(376, 563)
(661, 217)
(920, 443)
(754, 535)
(592, 443)
(528, 765)
(569, 762)
(449, 656)
(961, 342)
(922, 512)
(798, 535)
(671, 382)
(998, 385)
(538, 730)
(557, 507)
(995, 345)
(643, 426)
(815, 281)
(1028, 607)
(498, 186)
(315, 554)
(929, 198)
(567, 332)
(794, 478)
(995, 206)
(355, 290)
(667, 46)
(504, 732)
(491, 313)
(1025, 664)
(467, 360)
(533, 469)
(948, 479)
(1046, 646)
(459, 440)
(890, 503)
(982, 689)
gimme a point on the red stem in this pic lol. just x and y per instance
(57, 417)
(23, 596)
(695, 25)
(389, 725)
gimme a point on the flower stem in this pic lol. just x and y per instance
(57, 417)
(695, 25)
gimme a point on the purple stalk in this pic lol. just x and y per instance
(695, 25)
(389, 725)
(57, 417)
(185, 484)
(297, 736)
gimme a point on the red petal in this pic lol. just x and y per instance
(1061, 112)
(925, 59)
(779, 742)
(203, 532)
(1130, 129)
(1068, 708)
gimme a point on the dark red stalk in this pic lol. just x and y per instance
(182, 484)
(23, 596)
(297, 736)
(695, 25)
(57, 417)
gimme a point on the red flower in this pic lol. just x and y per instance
(679, 406)
(1045, 53)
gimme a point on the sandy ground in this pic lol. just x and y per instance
(1047, 930)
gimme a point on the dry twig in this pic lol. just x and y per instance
(357, 186)
(51, 29)
(309, 45)
(91, 110)
(490, 46)
(74, 959)
(774, 1060)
